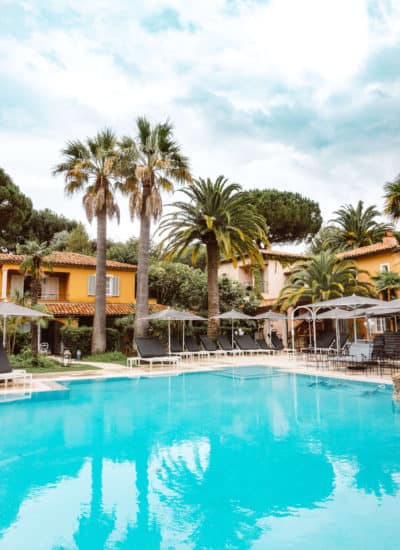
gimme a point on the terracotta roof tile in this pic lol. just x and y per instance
(69, 259)
(389, 244)
(79, 309)
(282, 254)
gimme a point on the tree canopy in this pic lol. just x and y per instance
(322, 277)
(15, 212)
(354, 226)
(290, 217)
(44, 224)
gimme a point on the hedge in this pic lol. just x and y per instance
(75, 338)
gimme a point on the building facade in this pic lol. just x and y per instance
(68, 289)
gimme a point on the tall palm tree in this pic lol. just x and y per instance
(322, 277)
(392, 199)
(150, 163)
(91, 168)
(387, 283)
(217, 215)
(34, 265)
(354, 227)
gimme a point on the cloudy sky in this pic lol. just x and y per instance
(300, 95)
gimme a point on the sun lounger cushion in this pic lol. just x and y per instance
(150, 347)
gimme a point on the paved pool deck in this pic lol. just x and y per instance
(284, 361)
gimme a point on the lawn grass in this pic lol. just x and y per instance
(60, 369)
(115, 357)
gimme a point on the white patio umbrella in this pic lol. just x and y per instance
(271, 316)
(351, 302)
(233, 315)
(336, 314)
(10, 309)
(169, 315)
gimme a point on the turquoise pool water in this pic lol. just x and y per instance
(250, 458)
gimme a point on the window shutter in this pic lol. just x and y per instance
(92, 285)
(115, 286)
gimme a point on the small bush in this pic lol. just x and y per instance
(75, 338)
(22, 341)
(27, 360)
(108, 357)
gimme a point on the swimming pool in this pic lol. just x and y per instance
(240, 458)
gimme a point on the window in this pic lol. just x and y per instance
(17, 286)
(112, 285)
(385, 268)
(377, 325)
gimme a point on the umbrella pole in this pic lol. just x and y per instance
(4, 331)
(292, 327)
(169, 337)
(355, 329)
(367, 325)
(183, 336)
(337, 336)
(314, 332)
(395, 323)
(232, 331)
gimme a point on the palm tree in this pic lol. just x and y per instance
(355, 227)
(221, 218)
(321, 277)
(150, 164)
(34, 265)
(91, 168)
(387, 283)
(392, 199)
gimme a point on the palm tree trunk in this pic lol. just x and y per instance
(99, 321)
(36, 291)
(142, 287)
(213, 293)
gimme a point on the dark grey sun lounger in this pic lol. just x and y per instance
(210, 346)
(226, 345)
(248, 345)
(192, 345)
(150, 351)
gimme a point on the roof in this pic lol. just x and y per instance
(87, 310)
(282, 254)
(388, 244)
(68, 259)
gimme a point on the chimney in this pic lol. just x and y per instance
(390, 240)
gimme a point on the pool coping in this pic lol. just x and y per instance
(288, 363)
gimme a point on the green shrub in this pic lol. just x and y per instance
(113, 339)
(108, 357)
(26, 360)
(22, 341)
(75, 338)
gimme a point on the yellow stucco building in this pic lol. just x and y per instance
(376, 258)
(68, 290)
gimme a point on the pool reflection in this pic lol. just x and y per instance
(192, 462)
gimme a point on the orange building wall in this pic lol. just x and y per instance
(372, 264)
(76, 286)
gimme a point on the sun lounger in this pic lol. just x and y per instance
(248, 345)
(178, 349)
(151, 351)
(262, 344)
(226, 345)
(325, 343)
(358, 357)
(210, 346)
(192, 345)
(8, 374)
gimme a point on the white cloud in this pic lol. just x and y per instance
(221, 85)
